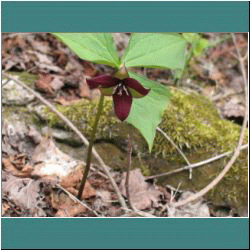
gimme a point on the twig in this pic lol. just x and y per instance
(96, 171)
(219, 97)
(241, 138)
(195, 165)
(172, 198)
(128, 171)
(178, 149)
(4, 83)
(77, 200)
(73, 127)
(141, 213)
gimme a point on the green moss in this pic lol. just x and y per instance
(82, 114)
(191, 121)
(194, 124)
(25, 77)
(9, 113)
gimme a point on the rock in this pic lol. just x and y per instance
(13, 94)
(193, 122)
(47, 159)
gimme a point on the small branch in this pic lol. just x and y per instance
(96, 171)
(128, 171)
(241, 138)
(141, 213)
(77, 200)
(75, 129)
(195, 165)
(178, 149)
(245, 56)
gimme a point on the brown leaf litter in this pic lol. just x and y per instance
(61, 72)
(26, 193)
(30, 181)
(143, 195)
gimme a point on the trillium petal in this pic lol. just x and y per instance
(104, 81)
(122, 102)
(135, 88)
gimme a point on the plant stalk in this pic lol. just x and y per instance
(128, 172)
(91, 144)
(189, 56)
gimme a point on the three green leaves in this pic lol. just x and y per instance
(161, 50)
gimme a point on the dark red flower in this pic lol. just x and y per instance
(122, 91)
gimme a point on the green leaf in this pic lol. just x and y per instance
(146, 112)
(191, 37)
(200, 46)
(199, 43)
(95, 47)
(166, 50)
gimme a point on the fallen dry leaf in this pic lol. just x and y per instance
(72, 183)
(84, 90)
(233, 108)
(20, 169)
(26, 193)
(5, 208)
(102, 200)
(89, 68)
(65, 205)
(44, 83)
(61, 58)
(143, 195)
(57, 83)
(70, 211)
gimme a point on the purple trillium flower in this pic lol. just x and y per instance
(122, 91)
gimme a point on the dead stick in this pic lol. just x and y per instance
(141, 213)
(195, 165)
(75, 129)
(178, 149)
(77, 200)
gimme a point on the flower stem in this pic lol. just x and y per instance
(91, 144)
(183, 71)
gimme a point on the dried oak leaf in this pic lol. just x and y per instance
(102, 200)
(65, 206)
(26, 193)
(89, 68)
(72, 183)
(61, 58)
(44, 83)
(71, 210)
(143, 195)
(5, 208)
(17, 168)
(57, 83)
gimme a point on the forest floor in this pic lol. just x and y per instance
(60, 77)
